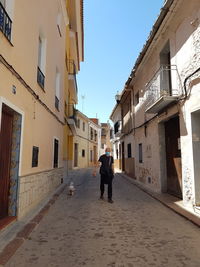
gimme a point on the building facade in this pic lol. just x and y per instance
(86, 142)
(74, 56)
(33, 90)
(159, 106)
(105, 137)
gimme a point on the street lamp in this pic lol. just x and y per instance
(117, 97)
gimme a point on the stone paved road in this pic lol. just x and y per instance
(135, 231)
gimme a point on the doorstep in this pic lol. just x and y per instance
(7, 221)
(172, 202)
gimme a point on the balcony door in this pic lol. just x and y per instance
(165, 75)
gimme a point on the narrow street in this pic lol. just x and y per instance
(134, 231)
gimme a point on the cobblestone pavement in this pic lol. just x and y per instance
(134, 231)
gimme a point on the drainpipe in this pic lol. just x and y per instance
(186, 79)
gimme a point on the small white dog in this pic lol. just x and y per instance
(71, 188)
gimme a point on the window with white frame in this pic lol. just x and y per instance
(41, 61)
(6, 13)
(57, 92)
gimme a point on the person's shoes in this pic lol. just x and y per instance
(110, 200)
(101, 197)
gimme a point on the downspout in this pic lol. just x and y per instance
(186, 79)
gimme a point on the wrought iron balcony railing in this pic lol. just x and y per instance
(163, 89)
(40, 78)
(72, 112)
(118, 128)
(72, 118)
(5, 22)
(71, 68)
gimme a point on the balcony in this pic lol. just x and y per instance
(5, 23)
(73, 88)
(163, 89)
(72, 118)
(118, 129)
(40, 78)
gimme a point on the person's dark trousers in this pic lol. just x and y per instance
(102, 187)
(108, 181)
(110, 189)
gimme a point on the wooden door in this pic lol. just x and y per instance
(75, 155)
(173, 157)
(123, 157)
(95, 154)
(120, 157)
(5, 158)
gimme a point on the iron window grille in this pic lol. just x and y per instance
(5, 23)
(140, 154)
(40, 78)
(129, 150)
(83, 153)
(35, 154)
(55, 162)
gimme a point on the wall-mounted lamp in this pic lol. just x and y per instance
(14, 90)
(117, 97)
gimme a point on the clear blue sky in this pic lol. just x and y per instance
(114, 34)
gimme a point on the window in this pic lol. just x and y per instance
(140, 153)
(95, 135)
(84, 126)
(117, 127)
(57, 93)
(59, 24)
(137, 98)
(103, 132)
(35, 154)
(91, 133)
(129, 150)
(83, 153)
(5, 21)
(102, 146)
(41, 62)
(56, 147)
(78, 123)
(91, 156)
(117, 153)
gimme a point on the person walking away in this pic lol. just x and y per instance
(106, 163)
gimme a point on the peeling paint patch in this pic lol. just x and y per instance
(187, 183)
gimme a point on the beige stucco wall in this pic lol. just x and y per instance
(23, 57)
(39, 126)
(182, 29)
